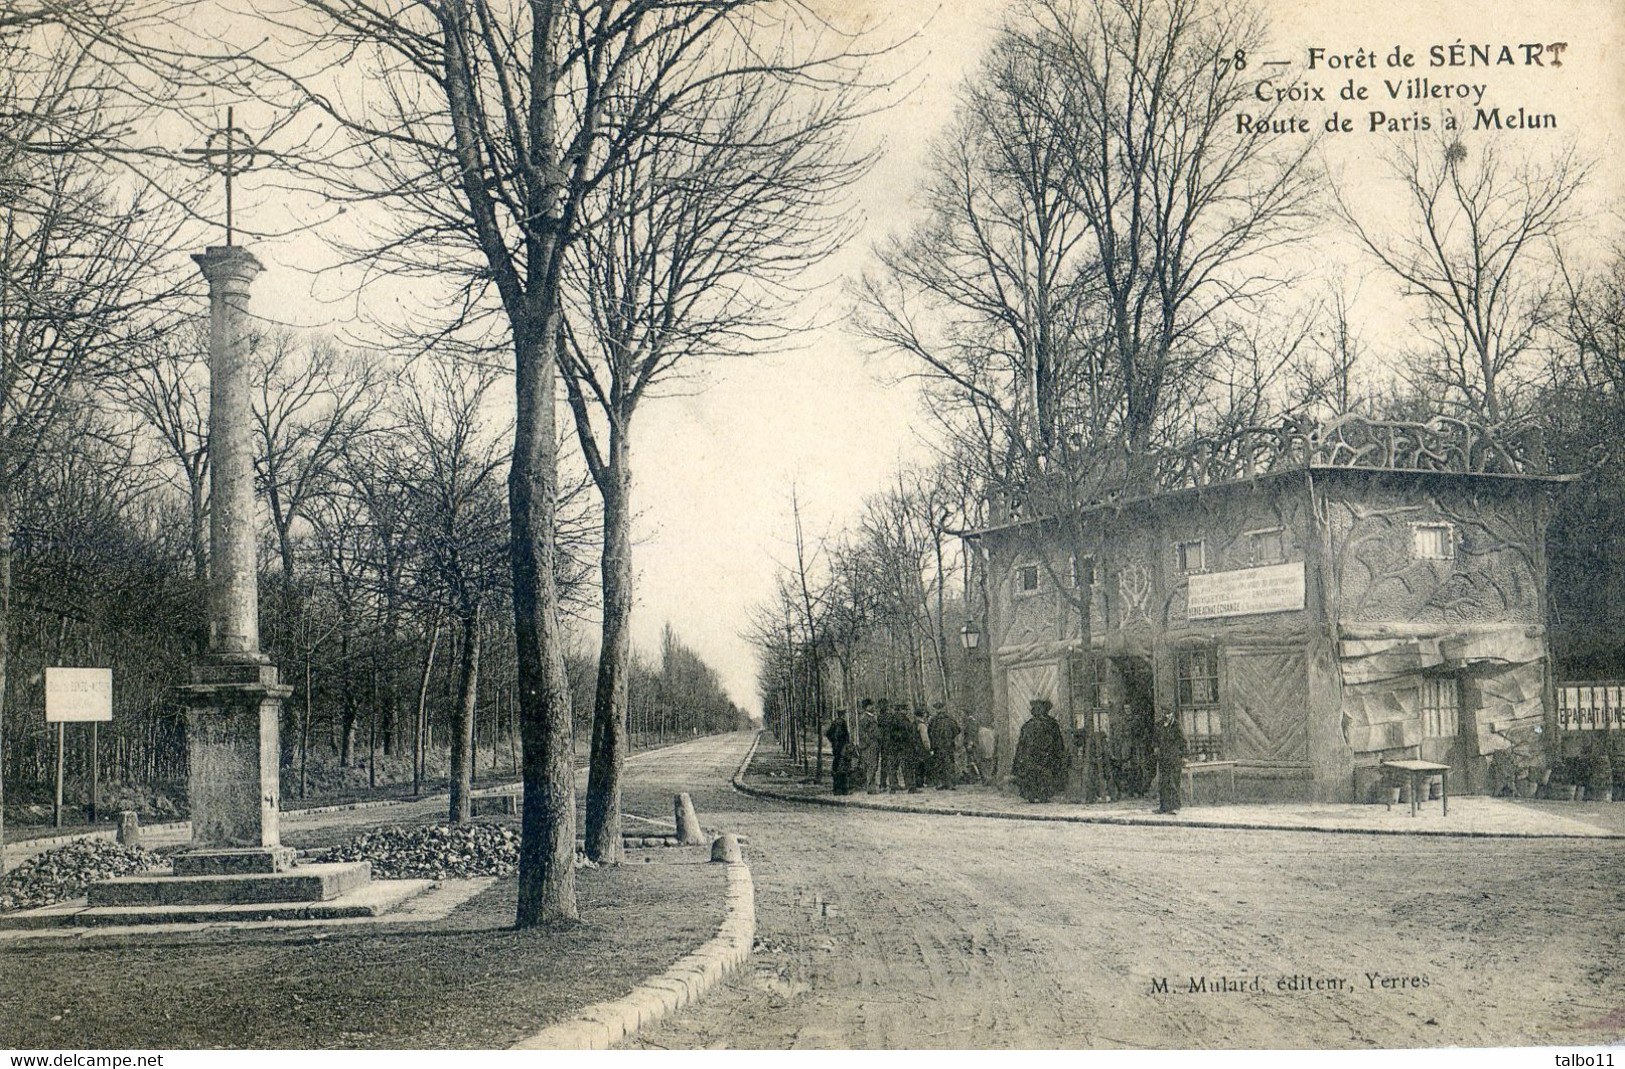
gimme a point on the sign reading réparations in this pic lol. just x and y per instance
(1246, 591)
(78, 694)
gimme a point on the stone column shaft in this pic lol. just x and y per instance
(234, 628)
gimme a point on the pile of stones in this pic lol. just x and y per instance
(434, 851)
(66, 872)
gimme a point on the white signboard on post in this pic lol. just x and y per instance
(78, 694)
(1246, 592)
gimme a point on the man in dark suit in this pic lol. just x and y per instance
(1170, 762)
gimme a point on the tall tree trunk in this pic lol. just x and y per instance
(420, 742)
(390, 729)
(197, 489)
(350, 716)
(548, 825)
(603, 834)
(531, 300)
(462, 739)
(6, 508)
(304, 727)
(372, 733)
(513, 731)
(816, 669)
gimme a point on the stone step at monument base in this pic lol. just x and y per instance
(302, 883)
(373, 899)
(233, 861)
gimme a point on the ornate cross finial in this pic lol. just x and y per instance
(228, 152)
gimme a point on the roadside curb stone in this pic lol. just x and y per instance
(742, 787)
(604, 1024)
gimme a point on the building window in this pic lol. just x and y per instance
(1090, 679)
(1269, 545)
(1083, 571)
(1190, 557)
(1198, 699)
(1441, 707)
(1434, 541)
(1027, 579)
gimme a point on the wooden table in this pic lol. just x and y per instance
(1416, 771)
(1193, 767)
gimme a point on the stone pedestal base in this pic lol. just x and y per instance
(305, 883)
(187, 907)
(232, 724)
(244, 862)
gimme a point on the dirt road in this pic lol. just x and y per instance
(888, 930)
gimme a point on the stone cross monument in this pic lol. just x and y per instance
(234, 701)
(236, 866)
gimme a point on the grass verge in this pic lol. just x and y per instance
(468, 980)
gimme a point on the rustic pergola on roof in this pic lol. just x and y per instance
(1441, 444)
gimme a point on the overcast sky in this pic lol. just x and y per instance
(714, 468)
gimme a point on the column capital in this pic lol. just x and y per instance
(228, 263)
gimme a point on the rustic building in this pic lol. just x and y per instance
(1311, 601)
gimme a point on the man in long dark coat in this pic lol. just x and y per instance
(944, 732)
(919, 751)
(895, 734)
(840, 751)
(869, 745)
(1170, 762)
(1039, 770)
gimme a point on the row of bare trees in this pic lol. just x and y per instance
(876, 611)
(82, 274)
(607, 189)
(384, 570)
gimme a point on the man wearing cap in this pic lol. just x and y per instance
(1170, 762)
(1039, 770)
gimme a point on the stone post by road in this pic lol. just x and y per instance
(235, 698)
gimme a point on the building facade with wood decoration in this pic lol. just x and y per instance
(1309, 601)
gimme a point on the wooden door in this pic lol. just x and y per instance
(1027, 682)
(1266, 706)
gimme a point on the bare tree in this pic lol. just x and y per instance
(693, 248)
(1476, 245)
(310, 399)
(168, 391)
(988, 293)
(1181, 204)
(453, 473)
(1084, 291)
(1593, 322)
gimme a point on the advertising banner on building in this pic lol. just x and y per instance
(1246, 591)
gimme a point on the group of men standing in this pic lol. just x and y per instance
(898, 749)
(1039, 770)
(901, 750)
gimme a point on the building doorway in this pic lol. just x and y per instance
(1131, 744)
